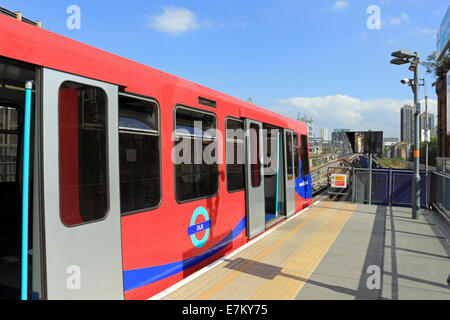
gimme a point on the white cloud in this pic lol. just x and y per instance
(342, 111)
(363, 35)
(174, 20)
(424, 31)
(229, 25)
(338, 5)
(399, 20)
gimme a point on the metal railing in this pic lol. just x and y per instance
(441, 192)
(393, 187)
(390, 187)
(381, 190)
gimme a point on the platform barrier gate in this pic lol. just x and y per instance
(390, 187)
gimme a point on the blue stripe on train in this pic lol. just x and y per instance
(303, 185)
(137, 278)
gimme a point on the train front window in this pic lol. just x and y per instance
(304, 155)
(296, 157)
(139, 150)
(195, 155)
(82, 153)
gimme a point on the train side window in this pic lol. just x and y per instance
(139, 152)
(82, 153)
(195, 154)
(296, 157)
(289, 153)
(235, 153)
(304, 155)
(9, 137)
(254, 155)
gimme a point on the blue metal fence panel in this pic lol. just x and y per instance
(397, 191)
(402, 188)
(381, 179)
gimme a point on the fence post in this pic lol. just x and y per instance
(353, 184)
(328, 180)
(390, 188)
(370, 178)
(427, 186)
(443, 194)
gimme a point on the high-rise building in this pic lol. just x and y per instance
(430, 123)
(324, 133)
(407, 124)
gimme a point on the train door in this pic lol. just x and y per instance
(82, 244)
(290, 180)
(254, 184)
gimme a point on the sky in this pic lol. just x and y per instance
(328, 59)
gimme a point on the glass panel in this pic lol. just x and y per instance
(254, 155)
(296, 157)
(289, 153)
(140, 186)
(137, 114)
(139, 172)
(8, 157)
(195, 123)
(235, 155)
(82, 153)
(197, 172)
(9, 119)
(304, 155)
(9, 136)
(270, 137)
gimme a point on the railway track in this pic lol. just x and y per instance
(319, 176)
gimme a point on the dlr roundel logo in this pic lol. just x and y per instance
(194, 228)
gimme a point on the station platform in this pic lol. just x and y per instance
(332, 251)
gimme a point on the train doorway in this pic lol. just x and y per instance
(13, 76)
(265, 176)
(274, 185)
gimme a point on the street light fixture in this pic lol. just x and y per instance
(403, 57)
(407, 81)
(399, 61)
(406, 54)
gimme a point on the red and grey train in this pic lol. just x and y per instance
(113, 213)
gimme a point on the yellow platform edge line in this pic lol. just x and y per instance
(233, 275)
(297, 270)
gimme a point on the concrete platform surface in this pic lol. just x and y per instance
(333, 251)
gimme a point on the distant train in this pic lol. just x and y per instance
(124, 199)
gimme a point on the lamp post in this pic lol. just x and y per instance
(427, 135)
(403, 57)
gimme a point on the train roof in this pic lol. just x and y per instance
(28, 43)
